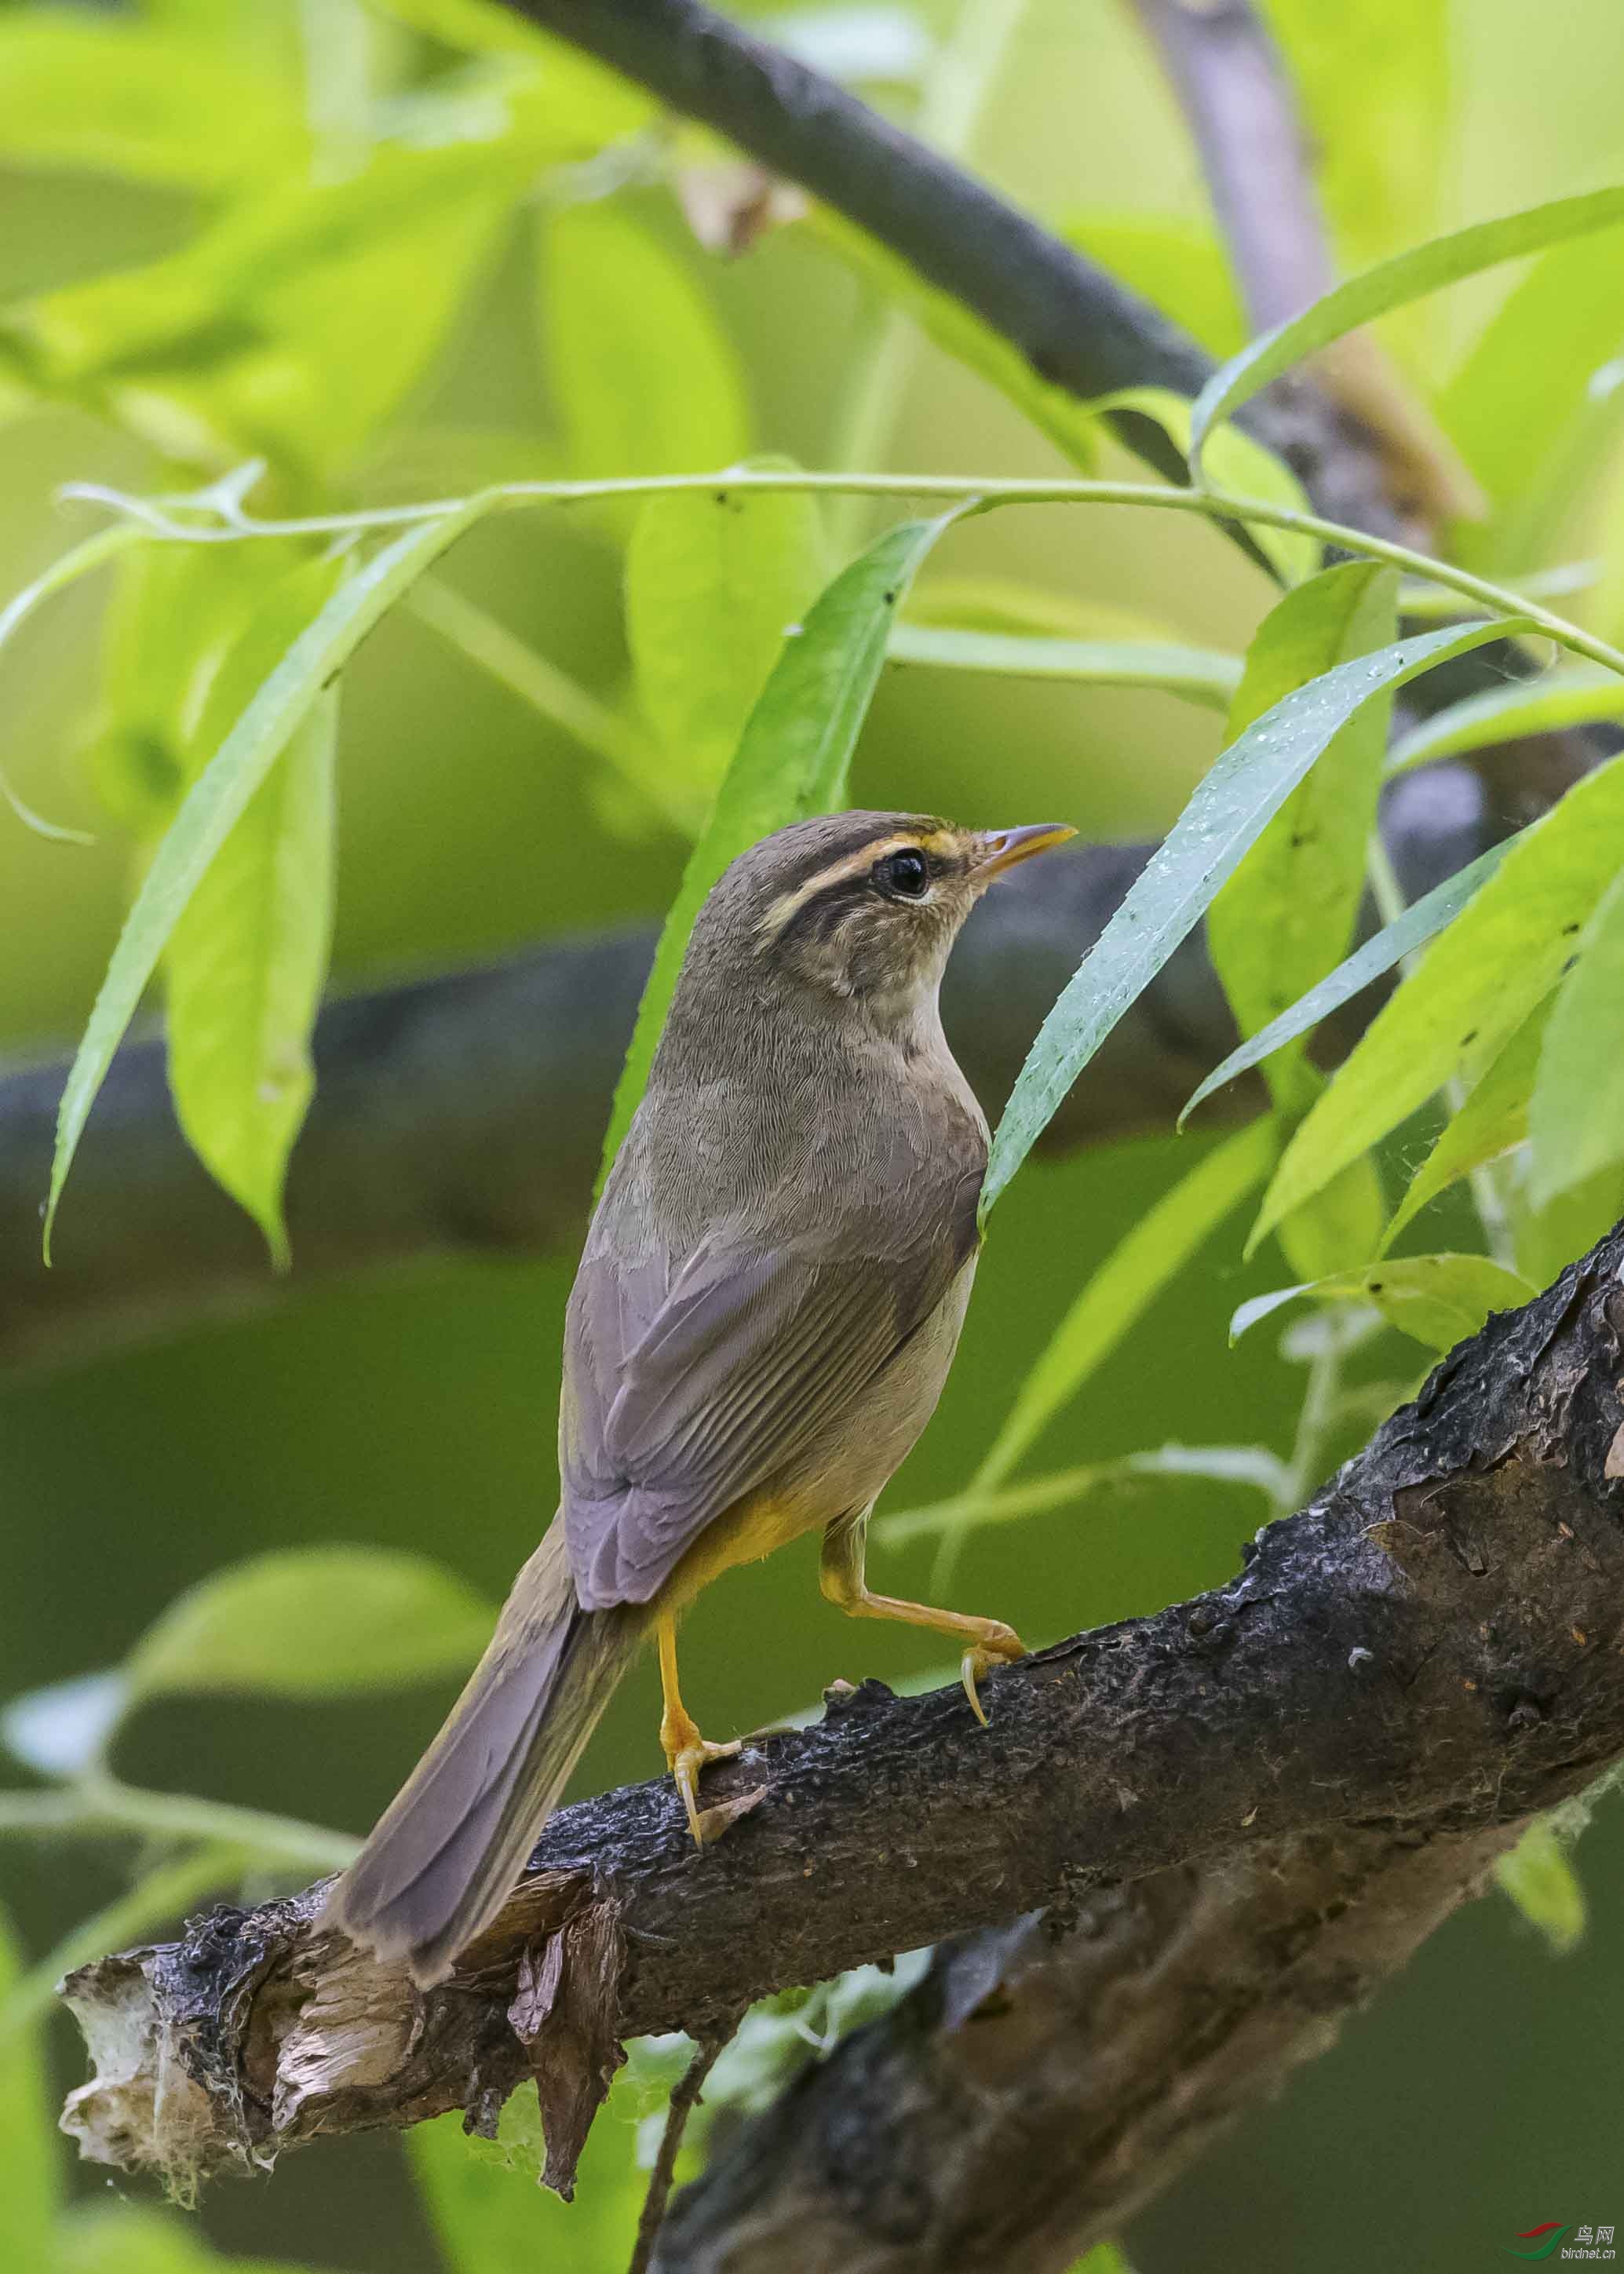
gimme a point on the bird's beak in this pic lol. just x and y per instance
(1002, 848)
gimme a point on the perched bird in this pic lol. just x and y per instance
(766, 1307)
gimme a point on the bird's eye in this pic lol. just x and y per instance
(903, 874)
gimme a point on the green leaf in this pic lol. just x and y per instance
(490, 2216)
(792, 761)
(1576, 1116)
(131, 2239)
(1571, 697)
(30, 2167)
(263, 336)
(1104, 2258)
(1285, 918)
(645, 379)
(1201, 675)
(715, 582)
(127, 99)
(1237, 464)
(1422, 921)
(1008, 604)
(1527, 374)
(1181, 266)
(1393, 284)
(313, 1622)
(1230, 811)
(1543, 1884)
(1391, 64)
(221, 795)
(175, 613)
(1455, 1013)
(1069, 425)
(1151, 1254)
(1490, 1121)
(245, 964)
(1439, 1300)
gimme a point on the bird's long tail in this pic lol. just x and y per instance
(451, 1845)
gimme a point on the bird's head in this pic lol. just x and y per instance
(859, 908)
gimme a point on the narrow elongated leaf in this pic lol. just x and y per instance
(1394, 284)
(1228, 812)
(715, 582)
(313, 1622)
(1069, 425)
(128, 98)
(1151, 1254)
(1181, 266)
(1284, 919)
(29, 2184)
(646, 379)
(1422, 921)
(1493, 1119)
(222, 793)
(1009, 603)
(1237, 463)
(1202, 675)
(246, 963)
(262, 334)
(1452, 1016)
(792, 761)
(1569, 698)
(1439, 1300)
(1575, 1117)
(1391, 64)
(176, 612)
(1526, 372)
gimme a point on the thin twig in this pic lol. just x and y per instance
(684, 2100)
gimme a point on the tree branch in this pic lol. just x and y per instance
(1240, 1814)
(465, 1114)
(1076, 325)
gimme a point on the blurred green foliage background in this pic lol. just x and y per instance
(418, 1412)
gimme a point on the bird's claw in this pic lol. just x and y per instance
(999, 1646)
(686, 1763)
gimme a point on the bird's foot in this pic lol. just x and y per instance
(687, 1752)
(997, 1644)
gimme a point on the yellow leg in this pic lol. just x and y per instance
(685, 1751)
(840, 1575)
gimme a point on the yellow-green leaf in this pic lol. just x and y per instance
(645, 377)
(313, 1622)
(715, 582)
(1439, 1300)
(1490, 1121)
(1452, 1017)
(1119, 1292)
(30, 2182)
(1541, 1883)
(1576, 1116)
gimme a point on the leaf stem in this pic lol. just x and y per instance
(983, 496)
(96, 1804)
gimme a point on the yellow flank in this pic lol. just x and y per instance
(744, 1534)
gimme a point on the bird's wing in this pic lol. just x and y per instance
(679, 1402)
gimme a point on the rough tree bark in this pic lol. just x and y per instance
(1239, 1814)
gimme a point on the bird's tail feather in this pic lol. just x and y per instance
(451, 1845)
